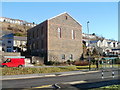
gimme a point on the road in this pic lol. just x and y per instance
(48, 81)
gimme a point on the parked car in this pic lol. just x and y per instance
(13, 61)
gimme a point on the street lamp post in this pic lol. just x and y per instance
(88, 44)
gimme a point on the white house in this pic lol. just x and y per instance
(20, 43)
(104, 43)
(0, 45)
(16, 21)
(95, 43)
(7, 42)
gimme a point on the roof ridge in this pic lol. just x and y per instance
(56, 15)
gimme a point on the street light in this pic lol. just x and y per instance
(88, 44)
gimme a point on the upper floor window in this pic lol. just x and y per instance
(66, 17)
(59, 33)
(42, 28)
(29, 35)
(73, 34)
(113, 44)
(9, 41)
(33, 34)
(37, 32)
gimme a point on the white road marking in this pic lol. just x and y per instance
(75, 82)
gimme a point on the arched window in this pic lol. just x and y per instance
(73, 34)
(66, 17)
(59, 32)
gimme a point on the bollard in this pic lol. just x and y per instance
(102, 74)
(113, 74)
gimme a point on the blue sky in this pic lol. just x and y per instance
(103, 16)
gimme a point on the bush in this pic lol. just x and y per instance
(81, 63)
(40, 64)
(117, 61)
(50, 62)
(56, 63)
(18, 34)
(69, 62)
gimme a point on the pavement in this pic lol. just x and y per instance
(27, 76)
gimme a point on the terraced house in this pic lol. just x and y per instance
(56, 39)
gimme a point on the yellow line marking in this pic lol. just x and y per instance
(44, 86)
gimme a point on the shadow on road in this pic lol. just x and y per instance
(97, 84)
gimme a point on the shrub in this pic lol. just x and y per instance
(56, 63)
(50, 62)
(70, 62)
(81, 63)
(117, 61)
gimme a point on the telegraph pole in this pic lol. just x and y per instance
(88, 45)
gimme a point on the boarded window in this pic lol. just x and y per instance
(71, 56)
(42, 44)
(33, 34)
(63, 56)
(42, 28)
(37, 33)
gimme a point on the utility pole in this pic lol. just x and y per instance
(88, 45)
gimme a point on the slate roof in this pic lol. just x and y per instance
(94, 41)
(108, 42)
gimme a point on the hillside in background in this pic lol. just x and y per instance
(18, 30)
(20, 27)
(21, 30)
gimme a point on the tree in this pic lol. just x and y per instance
(93, 34)
(33, 22)
(95, 52)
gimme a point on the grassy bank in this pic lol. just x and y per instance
(111, 87)
(26, 70)
(32, 70)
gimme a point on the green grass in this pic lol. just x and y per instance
(25, 70)
(111, 87)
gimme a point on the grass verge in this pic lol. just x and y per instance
(28, 70)
(111, 87)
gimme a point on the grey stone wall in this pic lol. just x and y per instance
(38, 43)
